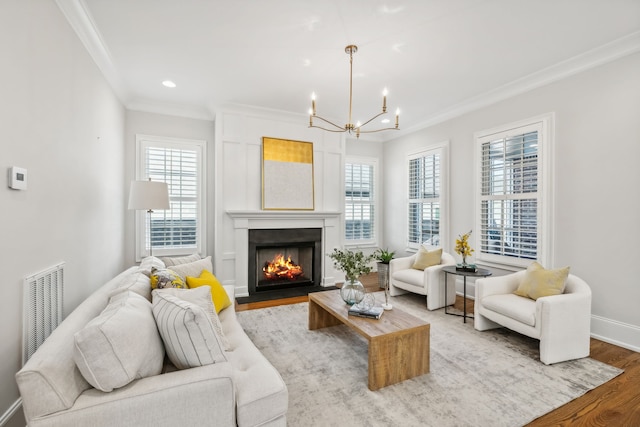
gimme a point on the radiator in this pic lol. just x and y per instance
(42, 307)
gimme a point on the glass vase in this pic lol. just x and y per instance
(352, 292)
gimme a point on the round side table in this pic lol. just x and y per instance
(451, 269)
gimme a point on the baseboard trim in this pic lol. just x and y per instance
(9, 413)
(615, 332)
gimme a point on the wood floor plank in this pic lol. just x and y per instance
(614, 404)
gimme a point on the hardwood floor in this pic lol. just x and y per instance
(614, 404)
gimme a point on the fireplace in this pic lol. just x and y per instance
(284, 258)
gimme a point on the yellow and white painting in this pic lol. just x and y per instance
(287, 174)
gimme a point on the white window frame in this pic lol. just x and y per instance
(544, 125)
(441, 149)
(141, 239)
(374, 241)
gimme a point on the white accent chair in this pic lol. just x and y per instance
(562, 322)
(429, 282)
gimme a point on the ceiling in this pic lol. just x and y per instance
(438, 58)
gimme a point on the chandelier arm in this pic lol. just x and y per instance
(342, 128)
(378, 130)
(339, 130)
(371, 119)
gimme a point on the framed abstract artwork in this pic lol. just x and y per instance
(287, 174)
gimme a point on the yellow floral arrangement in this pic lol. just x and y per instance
(462, 246)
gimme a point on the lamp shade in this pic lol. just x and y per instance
(148, 195)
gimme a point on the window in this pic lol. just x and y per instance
(512, 216)
(179, 163)
(426, 198)
(360, 201)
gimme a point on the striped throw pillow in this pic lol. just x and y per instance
(187, 332)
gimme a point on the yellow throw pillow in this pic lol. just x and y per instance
(165, 278)
(425, 258)
(540, 282)
(218, 294)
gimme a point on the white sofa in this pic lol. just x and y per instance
(561, 322)
(243, 390)
(430, 281)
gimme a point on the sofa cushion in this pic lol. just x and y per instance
(187, 331)
(261, 394)
(411, 276)
(426, 258)
(218, 294)
(202, 297)
(540, 282)
(513, 306)
(166, 278)
(110, 352)
(193, 269)
(171, 261)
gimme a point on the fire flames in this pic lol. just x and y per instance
(281, 269)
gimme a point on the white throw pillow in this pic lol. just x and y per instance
(120, 345)
(136, 282)
(187, 331)
(193, 269)
(171, 261)
(202, 297)
(149, 263)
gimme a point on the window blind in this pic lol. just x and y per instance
(359, 201)
(509, 196)
(424, 199)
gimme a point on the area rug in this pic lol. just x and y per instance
(491, 378)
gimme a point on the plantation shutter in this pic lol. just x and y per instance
(424, 199)
(509, 195)
(177, 227)
(359, 202)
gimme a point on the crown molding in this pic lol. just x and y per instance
(76, 13)
(609, 52)
(170, 109)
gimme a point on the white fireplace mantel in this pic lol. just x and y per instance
(282, 215)
(243, 221)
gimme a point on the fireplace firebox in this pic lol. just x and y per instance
(284, 258)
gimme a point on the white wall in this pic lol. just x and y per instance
(238, 166)
(167, 126)
(62, 122)
(597, 148)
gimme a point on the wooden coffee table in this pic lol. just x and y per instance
(398, 341)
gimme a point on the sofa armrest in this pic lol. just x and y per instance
(565, 326)
(498, 285)
(231, 291)
(202, 394)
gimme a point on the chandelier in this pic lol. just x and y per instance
(350, 127)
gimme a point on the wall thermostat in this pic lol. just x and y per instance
(17, 178)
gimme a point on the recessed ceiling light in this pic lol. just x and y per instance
(168, 83)
(385, 121)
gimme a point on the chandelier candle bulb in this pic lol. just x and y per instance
(397, 117)
(313, 104)
(384, 100)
